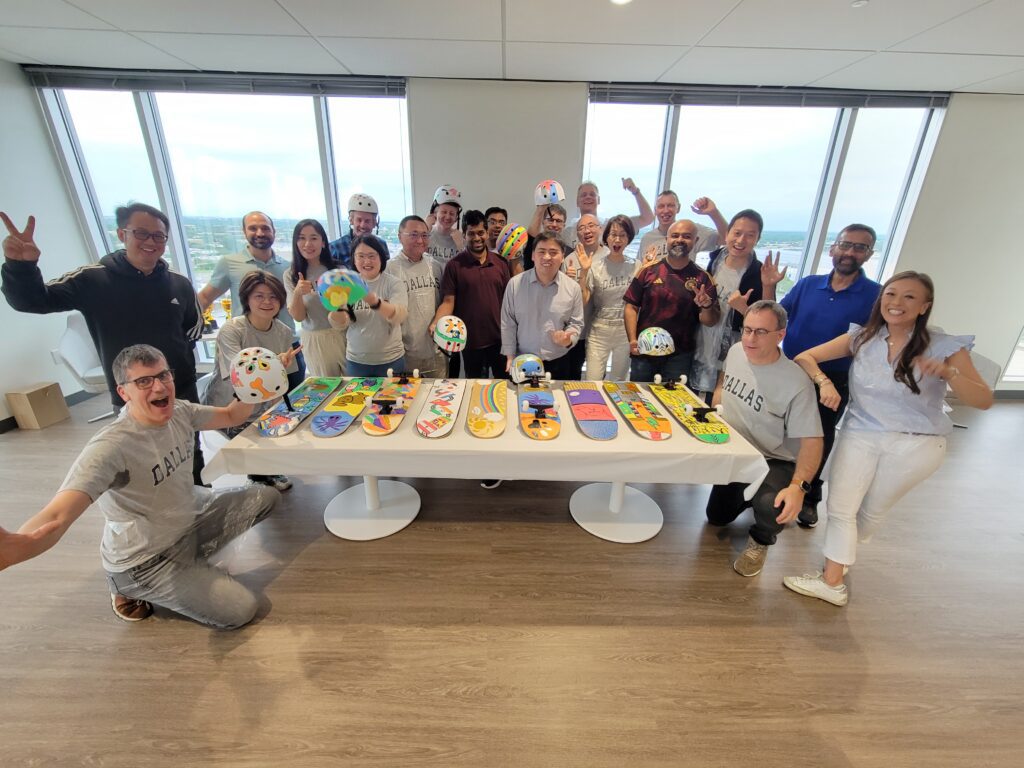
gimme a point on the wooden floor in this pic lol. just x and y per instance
(494, 632)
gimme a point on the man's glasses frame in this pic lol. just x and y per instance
(144, 235)
(146, 382)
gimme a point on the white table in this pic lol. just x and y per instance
(606, 508)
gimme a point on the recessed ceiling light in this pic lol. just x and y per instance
(622, 2)
(858, 3)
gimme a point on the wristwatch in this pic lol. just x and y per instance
(803, 485)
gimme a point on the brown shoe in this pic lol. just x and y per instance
(751, 561)
(127, 609)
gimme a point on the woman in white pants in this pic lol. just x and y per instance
(604, 281)
(894, 436)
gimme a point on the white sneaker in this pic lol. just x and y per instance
(813, 585)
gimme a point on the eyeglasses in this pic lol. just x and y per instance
(146, 382)
(416, 235)
(759, 332)
(846, 245)
(555, 219)
(263, 297)
(588, 227)
(496, 223)
(143, 235)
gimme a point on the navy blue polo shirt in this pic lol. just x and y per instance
(817, 314)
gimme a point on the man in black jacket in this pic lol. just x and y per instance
(129, 297)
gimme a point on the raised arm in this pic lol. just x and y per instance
(646, 215)
(706, 207)
(536, 221)
(23, 284)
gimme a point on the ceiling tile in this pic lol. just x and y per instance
(452, 20)
(248, 53)
(920, 71)
(417, 58)
(1011, 83)
(47, 13)
(831, 23)
(993, 29)
(647, 22)
(757, 66)
(575, 61)
(86, 48)
(229, 16)
(17, 58)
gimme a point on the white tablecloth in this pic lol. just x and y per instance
(513, 456)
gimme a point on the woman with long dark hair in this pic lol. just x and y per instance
(311, 257)
(894, 436)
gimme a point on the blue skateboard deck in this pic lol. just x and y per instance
(305, 398)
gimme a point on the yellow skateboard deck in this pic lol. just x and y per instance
(700, 421)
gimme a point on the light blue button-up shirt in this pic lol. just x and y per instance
(530, 311)
(879, 403)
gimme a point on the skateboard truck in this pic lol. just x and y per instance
(701, 414)
(403, 378)
(541, 412)
(671, 384)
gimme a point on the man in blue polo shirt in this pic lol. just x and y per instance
(821, 307)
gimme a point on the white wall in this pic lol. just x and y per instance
(974, 179)
(495, 140)
(31, 183)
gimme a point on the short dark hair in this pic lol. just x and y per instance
(471, 218)
(495, 209)
(258, 213)
(125, 212)
(556, 208)
(253, 280)
(373, 242)
(136, 354)
(861, 228)
(623, 221)
(548, 236)
(752, 215)
(407, 219)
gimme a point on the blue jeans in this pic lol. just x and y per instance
(180, 578)
(671, 367)
(362, 369)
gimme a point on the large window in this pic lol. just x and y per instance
(369, 139)
(232, 154)
(766, 158)
(113, 151)
(623, 141)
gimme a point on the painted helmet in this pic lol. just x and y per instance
(447, 193)
(362, 202)
(450, 334)
(525, 366)
(340, 287)
(511, 240)
(548, 192)
(257, 375)
(656, 342)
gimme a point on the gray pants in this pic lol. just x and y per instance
(180, 578)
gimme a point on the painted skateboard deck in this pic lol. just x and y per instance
(389, 405)
(487, 403)
(442, 407)
(305, 398)
(642, 414)
(702, 423)
(344, 408)
(593, 416)
(537, 413)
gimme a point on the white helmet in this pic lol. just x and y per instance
(447, 193)
(362, 202)
(656, 342)
(548, 192)
(525, 366)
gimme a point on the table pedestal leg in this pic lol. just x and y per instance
(614, 512)
(372, 510)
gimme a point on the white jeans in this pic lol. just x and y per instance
(607, 338)
(870, 472)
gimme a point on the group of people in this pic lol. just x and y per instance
(783, 371)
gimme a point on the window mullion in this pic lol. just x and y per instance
(328, 172)
(831, 174)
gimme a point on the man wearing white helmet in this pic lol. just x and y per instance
(445, 238)
(363, 219)
(422, 277)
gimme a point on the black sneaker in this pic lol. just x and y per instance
(280, 482)
(490, 485)
(808, 517)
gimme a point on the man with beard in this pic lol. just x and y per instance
(472, 287)
(676, 295)
(258, 253)
(821, 307)
(363, 219)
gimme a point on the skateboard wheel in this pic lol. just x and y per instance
(368, 400)
(415, 373)
(391, 372)
(682, 379)
(688, 409)
(400, 402)
(719, 409)
(657, 378)
(547, 376)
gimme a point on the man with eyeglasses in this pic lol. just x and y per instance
(160, 528)
(130, 297)
(422, 277)
(768, 399)
(546, 218)
(820, 308)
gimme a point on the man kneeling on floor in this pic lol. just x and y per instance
(160, 527)
(768, 399)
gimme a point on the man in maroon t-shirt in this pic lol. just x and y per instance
(472, 288)
(674, 294)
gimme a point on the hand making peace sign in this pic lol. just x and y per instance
(19, 246)
(702, 298)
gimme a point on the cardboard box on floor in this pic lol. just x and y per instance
(38, 406)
